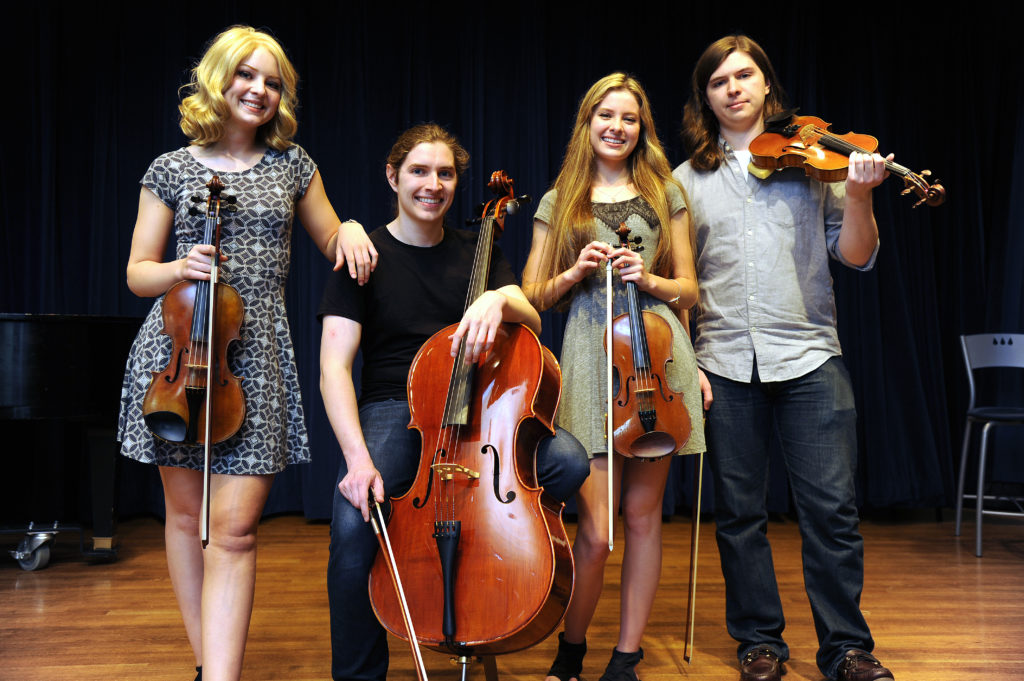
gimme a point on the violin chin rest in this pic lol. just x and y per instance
(167, 425)
(653, 445)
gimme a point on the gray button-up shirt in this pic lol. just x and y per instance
(762, 267)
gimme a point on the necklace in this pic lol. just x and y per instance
(615, 194)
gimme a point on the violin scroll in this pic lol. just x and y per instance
(933, 194)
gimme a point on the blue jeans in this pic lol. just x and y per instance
(816, 420)
(359, 648)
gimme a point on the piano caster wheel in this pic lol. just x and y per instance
(36, 560)
(33, 553)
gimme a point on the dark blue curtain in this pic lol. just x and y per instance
(93, 100)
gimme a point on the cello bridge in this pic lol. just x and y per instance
(448, 471)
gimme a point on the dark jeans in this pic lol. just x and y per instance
(359, 648)
(815, 418)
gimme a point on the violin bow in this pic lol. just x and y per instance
(691, 594)
(215, 186)
(610, 427)
(204, 512)
(380, 528)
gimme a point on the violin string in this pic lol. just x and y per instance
(844, 146)
(641, 362)
(199, 309)
(638, 340)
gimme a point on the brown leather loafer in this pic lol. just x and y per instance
(860, 666)
(761, 664)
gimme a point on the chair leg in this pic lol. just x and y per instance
(979, 510)
(961, 478)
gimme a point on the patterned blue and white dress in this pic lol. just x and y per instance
(257, 241)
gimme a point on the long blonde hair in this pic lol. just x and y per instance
(204, 111)
(572, 221)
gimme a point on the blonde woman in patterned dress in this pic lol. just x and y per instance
(239, 116)
(614, 171)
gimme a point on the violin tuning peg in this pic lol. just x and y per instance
(230, 199)
(926, 173)
(194, 211)
(197, 199)
(231, 208)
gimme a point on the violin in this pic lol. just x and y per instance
(196, 399)
(650, 419)
(483, 553)
(805, 141)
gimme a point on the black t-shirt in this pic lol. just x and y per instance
(414, 293)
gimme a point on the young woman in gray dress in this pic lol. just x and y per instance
(239, 116)
(614, 171)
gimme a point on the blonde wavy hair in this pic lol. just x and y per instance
(572, 221)
(204, 110)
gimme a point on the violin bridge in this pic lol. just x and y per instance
(809, 135)
(448, 471)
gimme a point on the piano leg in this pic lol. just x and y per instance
(103, 457)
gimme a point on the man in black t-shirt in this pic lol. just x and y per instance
(418, 288)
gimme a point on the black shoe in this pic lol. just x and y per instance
(622, 666)
(568, 663)
(199, 673)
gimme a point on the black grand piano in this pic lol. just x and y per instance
(60, 388)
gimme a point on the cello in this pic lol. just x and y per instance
(482, 551)
(196, 399)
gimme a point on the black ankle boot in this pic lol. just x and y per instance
(199, 673)
(622, 666)
(568, 662)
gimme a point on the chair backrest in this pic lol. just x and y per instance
(988, 350)
(983, 350)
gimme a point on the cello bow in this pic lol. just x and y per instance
(380, 528)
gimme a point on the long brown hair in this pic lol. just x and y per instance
(700, 126)
(572, 221)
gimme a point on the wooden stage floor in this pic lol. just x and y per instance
(937, 613)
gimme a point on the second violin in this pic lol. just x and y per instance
(650, 419)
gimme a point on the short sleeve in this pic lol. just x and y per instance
(676, 200)
(342, 297)
(305, 169)
(501, 270)
(546, 207)
(162, 178)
